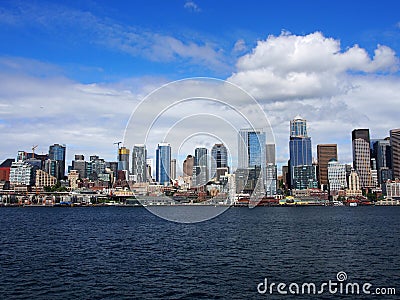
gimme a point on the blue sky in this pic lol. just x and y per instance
(72, 35)
(68, 65)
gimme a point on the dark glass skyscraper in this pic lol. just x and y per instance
(251, 160)
(299, 148)
(163, 163)
(56, 167)
(383, 156)
(251, 148)
(395, 144)
(219, 158)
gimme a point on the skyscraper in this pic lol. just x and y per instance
(298, 127)
(382, 153)
(150, 169)
(173, 168)
(395, 144)
(325, 153)
(163, 163)
(251, 161)
(300, 149)
(139, 156)
(362, 156)
(79, 164)
(270, 154)
(219, 158)
(304, 177)
(271, 170)
(200, 166)
(251, 148)
(22, 173)
(123, 159)
(188, 166)
(336, 175)
(57, 158)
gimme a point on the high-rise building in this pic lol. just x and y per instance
(325, 153)
(139, 163)
(270, 154)
(271, 179)
(362, 156)
(271, 176)
(336, 175)
(54, 168)
(219, 158)
(300, 150)
(395, 144)
(285, 176)
(79, 157)
(305, 177)
(79, 164)
(22, 173)
(188, 164)
(123, 159)
(252, 157)
(200, 166)
(150, 169)
(98, 167)
(298, 127)
(57, 158)
(251, 148)
(173, 168)
(163, 163)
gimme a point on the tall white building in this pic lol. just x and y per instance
(336, 175)
(21, 173)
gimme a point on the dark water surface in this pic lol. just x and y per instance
(126, 252)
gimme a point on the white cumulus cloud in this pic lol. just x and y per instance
(335, 89)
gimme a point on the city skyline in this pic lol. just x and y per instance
(73, 73)
(123, 155)
(374, 165)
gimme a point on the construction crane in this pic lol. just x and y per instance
(33, 151)
(117, 143)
